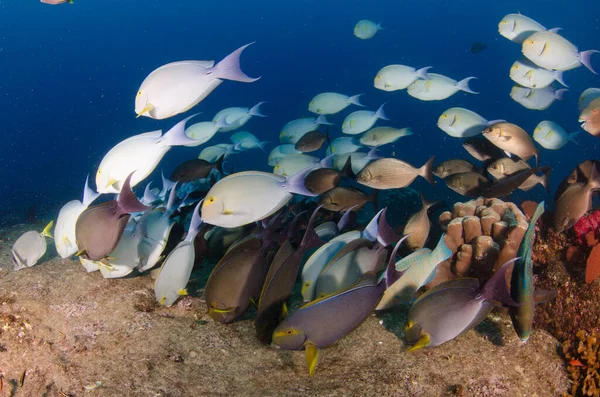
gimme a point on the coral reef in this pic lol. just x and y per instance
(586, 224)
(483, 234)
(584, 363)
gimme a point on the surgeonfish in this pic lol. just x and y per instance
(237, 117)
(30, 247)
(417, 269)
(358, 160)
(438, 87)
(398, 77)
(380, 136)
(462, 123)
(454, 307)
(295, 129)
(418, 225)
(64, 230)
(332, 103)
(191, 170)
(552, 136)
(294, 163)
(536, 99)
(366, 29)
(203, 132)
(280, 152)
(250, 196)
(140, 153)
(551, 51)
(99, 228)
(176, 270)
(391, 173)
(361, 120)
(343, 145)
(212, 153)
(517, 27)
(528, 74)
(247, 141)
(512, 139)
(179, 86)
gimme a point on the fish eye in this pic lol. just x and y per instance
(210, 200)
(139, 93)
(289, 332)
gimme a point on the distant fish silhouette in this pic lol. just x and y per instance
(55, 2)
(476, 48)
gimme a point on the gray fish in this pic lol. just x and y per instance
(418, 226)
(311, 141)
(575, 202)
(469, 184)
(482, 149)
(324, 321)
(454, 307)
(192, 170)
(346, 198)
(451, 167)
(506, 167)
(99, 228)
(390, 173)
(30, 247)
(580, 174)
(323, 179)
(507, 185)
(512, 139)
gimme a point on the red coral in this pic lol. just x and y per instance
(587, 223)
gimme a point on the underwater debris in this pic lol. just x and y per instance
(584, 364)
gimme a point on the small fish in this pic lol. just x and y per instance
(22, 378)
(418, 225)
(237, 117)
(537, 98)
(322, 180)
(580, 174)
(391, 173)
(280, 152)
(203, 132)
(380, 136)
(245, 141)
(454, 307)
(332, 103)
(310, 142)
(512, 139)
(438, 87)
(469, 184)
(551, 51)
(295, 129)
(575, 202)
(588, 96)
(346, 199)
(343, 145)
(507, 185)
(505, 167)
(552, 136)
(462, 123)
(398, 77)
(56, 2)
(30, 247)
(451, 167)
(590, 118)
(361, 120)
(476, 48)
(482, 149)
(528, 74)
(366, 29)
(195, 169)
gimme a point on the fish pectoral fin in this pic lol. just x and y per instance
(284, 311)
(543, 48)
(254, 303)
(163, 299)
(305, 287)
(228, 212)
(110, 183)
(66, 240)
(81, 252)
(424, 341)
(222, 311)
(312, 357)
(182, 292)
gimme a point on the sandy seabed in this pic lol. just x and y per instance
(72, 331)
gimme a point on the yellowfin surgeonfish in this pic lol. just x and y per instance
(553, 52)
(366, 29)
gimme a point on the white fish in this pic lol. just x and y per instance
(179, 86)
(588, 96)
(280, 152)
(552, 136)
(237, 117)
(202, 132)
(332, 103)
(528, 74)
(64, 231)
(343, 145)
(536, 99)
(140, 153)
(246, 197)
(552, 51)
(398, 77)
(294, 163)
(90, 266)
(175, 272)
(517, 27)
(361, 120)
(246, 141)
(30, 247)
(419, 268)
(366, 29)
(212, 153)
(379, 136)
(124, 257)
(295, 129)
(437, 87)
(358, 160)
(462, 123)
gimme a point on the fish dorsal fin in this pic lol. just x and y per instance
(368, 279)
(127, 201)
(460, 283)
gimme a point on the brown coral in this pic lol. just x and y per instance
(584, 364)
(483, 234)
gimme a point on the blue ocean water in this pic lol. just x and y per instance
(70, 74)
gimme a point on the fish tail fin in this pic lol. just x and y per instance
(176, 135)
(127, 200)
(255, 110)
(385, 234)
(167, 184)
(408, 131)
(595, 178)
(428, 203)
(322, 120)
(441, 252)
(372, 229)
(295, 183)
(545, 181)
(391, 275)
(426, 171)
(380, 113)
(311, 239)
(345, 219)
(219, 164)
(372, 154)
(172, 198)
(263, 145)
(422, 73)
(347, 169)
(560, 94)
(195, 223)
(46, 232)
(355, 100)
(585, 57)
(229, 68)
(149, 197)
(379, 27)
(496, 289)
(463, 85)
(327, 162)
(559, 76)
(88, 194)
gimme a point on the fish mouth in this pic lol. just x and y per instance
(583, 123)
